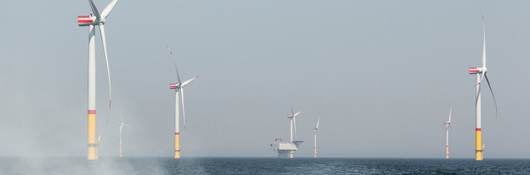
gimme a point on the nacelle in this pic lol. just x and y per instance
(474, 70)
(173, 86)
(85, 20)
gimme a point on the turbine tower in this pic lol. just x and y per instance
(447, 125)
(315, 132)
(481, 74)
(93, 20)
(179, 100)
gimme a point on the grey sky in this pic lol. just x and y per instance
(380, 74)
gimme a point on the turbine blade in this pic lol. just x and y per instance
(318, 123)
(483, 41)
(297, 114)
(91, 31)
(104, 40)
(179, 79)
(479, 88)
(170, 52)
(450, 113)
(183, 108)
(476, 95)
(492, 94)
(185, 83)
(94, 8)
(108, 9)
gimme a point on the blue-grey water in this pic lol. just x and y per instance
(166, 166)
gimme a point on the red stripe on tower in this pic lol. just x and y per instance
(91, 111)
(478, 129)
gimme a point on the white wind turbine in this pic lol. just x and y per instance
(481, 74)
(179, 100)
(292, 122)
(93, 20)
(315, 132)
(447, 125)
(122, 125)
(292, 139)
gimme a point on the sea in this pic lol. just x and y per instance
(256, 166)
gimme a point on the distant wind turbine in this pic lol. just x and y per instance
(447, 125)
(179, 100)
(292, 121)
(315, 132)
(122, 125)
(292, 139)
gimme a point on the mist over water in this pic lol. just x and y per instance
(206, 166)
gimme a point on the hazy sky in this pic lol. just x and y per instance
(380, 74)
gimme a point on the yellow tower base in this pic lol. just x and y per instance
(479, 155)
(92, 142)
(177, 145)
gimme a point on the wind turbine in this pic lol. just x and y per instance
(122, 125)
(481, 74)
(93, 20)
(292, 139)
(315, 132)
(179, 100)
(292, 122)
(447, 125)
